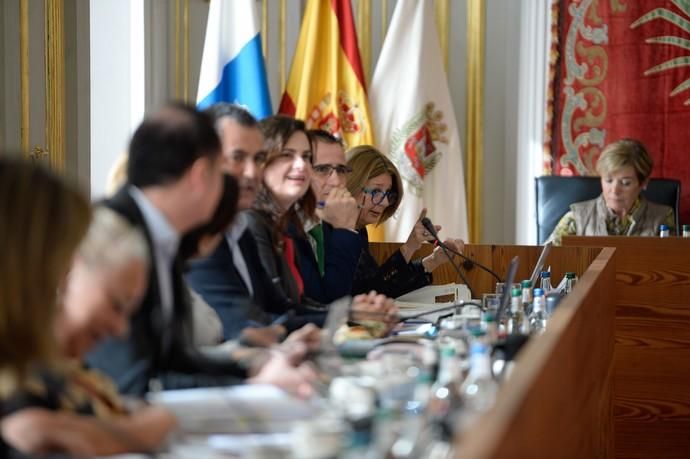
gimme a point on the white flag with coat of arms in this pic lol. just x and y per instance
(415, 123)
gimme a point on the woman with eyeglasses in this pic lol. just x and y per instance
(276, 222)
(376, 185)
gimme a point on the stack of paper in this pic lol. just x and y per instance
(239, 409)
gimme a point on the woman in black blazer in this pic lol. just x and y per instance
(375, 183)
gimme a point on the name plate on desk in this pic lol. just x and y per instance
(433, 295)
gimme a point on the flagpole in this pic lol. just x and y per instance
(442, 15)
(364, 30)
(384, 19)
(185, 51)
(283, 44)
(177, 49)
(476, 16)
(264, 29)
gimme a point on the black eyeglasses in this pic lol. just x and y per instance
(377, 196)
(325, 170)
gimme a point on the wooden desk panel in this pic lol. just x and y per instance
(497, 258)
(652, 359)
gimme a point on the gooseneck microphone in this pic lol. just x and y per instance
(430, 228)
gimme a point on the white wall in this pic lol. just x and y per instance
(117, 81)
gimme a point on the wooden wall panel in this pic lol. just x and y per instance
(652, 360)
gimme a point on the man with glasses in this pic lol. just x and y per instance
(328, 258)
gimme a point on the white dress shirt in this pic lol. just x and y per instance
(233, 235)
(165, 244)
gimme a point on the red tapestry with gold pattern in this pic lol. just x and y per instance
(623, 70)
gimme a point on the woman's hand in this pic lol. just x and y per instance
(437, 257)
(418, 236)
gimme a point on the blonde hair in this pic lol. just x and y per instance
(117, 176)
(42, 220)
(367, 162)
(626, 152)
(111, 242)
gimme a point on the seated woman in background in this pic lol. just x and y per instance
(625, 168)
(375, 183)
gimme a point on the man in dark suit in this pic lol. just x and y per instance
(174, 185)
(328, 257)
(232, 279)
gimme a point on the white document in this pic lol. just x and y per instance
(433, 296)
(249, 408)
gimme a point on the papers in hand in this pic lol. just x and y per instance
(238, 409)
(433, 296)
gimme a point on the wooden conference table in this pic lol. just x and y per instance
(558, 401)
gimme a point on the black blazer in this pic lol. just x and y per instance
(341, 252)
(393, 278)
(153, 349)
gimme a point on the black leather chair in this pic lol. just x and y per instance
(555, 194)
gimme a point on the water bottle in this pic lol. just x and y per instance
(489, 327)
(546, 282)
(445, 399)
(479, 389)
(526, 286)
(516, 319)
(686, 230)
(570, 281)
(537, 319)
(664, 231)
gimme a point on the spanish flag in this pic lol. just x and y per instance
(326, 87)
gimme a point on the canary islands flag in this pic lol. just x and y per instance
(232, 66)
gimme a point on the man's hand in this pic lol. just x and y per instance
(339, 209)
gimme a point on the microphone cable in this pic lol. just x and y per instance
(430, 228)
(435, 310)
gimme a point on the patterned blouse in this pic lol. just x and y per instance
(615, 225)
(68, 386)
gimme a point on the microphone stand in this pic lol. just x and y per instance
(430, 228)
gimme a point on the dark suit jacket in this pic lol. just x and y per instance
(154, 349)
(341, 254)
(393, 278)
(217, 280)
